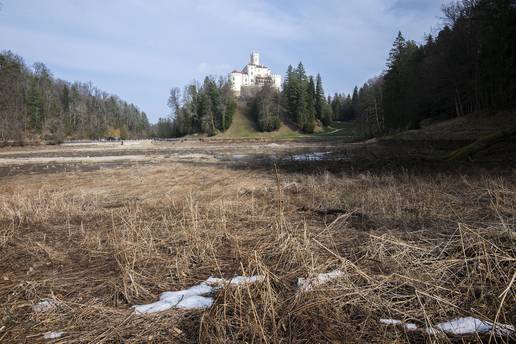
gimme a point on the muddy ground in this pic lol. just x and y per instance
(295, 155)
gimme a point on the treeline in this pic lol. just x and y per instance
(209, 108)
(469, 66)
(206, 108)
(304, 99)
(302, 102)
(35, 105)
(344, 107)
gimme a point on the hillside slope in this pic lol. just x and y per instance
(480, 136)
(243, 126)
(465, 128)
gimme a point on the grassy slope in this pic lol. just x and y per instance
(340, 129)
(470, 127)
(244, 127)
(485, 136)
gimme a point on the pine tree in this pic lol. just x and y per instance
(310, 108)
(304, 105)
(320, 103)
(291, 92)
(396, 51)
(354, 103)
(300, 71)
(336, 105)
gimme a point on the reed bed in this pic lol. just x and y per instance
(419, 248)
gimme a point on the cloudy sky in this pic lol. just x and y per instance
(139, 49)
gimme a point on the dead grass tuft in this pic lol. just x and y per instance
(421, 249)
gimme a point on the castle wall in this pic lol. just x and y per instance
(236, 80)
(253, 76)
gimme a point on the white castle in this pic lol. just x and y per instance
(253, 75)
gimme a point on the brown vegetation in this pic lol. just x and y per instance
(418, 248)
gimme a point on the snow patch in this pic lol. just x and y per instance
(408, 326)
(193, 297)
(44, 305)
(52, 335)
(469, 325)
(238, 280)
(316, 156)
(307, 284)
(458, 326)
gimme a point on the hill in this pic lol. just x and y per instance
(37, 107)
(479, 136)
(244, 127)
(470, 127)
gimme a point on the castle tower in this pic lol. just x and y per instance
(255, 58)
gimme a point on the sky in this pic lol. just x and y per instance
(139, 49)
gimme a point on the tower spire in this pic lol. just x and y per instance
(255, 58)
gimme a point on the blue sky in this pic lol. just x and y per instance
(139, 49)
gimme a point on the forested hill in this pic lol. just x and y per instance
(208, 108)
(467, 67)
(35, 106)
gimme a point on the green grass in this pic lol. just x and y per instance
(243, 127)
(340, 129)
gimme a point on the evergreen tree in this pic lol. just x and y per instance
(322, 110)
(303, 100)
(336, 106)
(354, 104)
(311, 97)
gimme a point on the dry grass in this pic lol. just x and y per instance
(417, 248)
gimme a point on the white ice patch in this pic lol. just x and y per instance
(307, 284)
(193, 297)
(470, 325)
(408, 326)
(237, 280)
(44, 305)
(52, 335)
(458, 326)
(315, 156)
